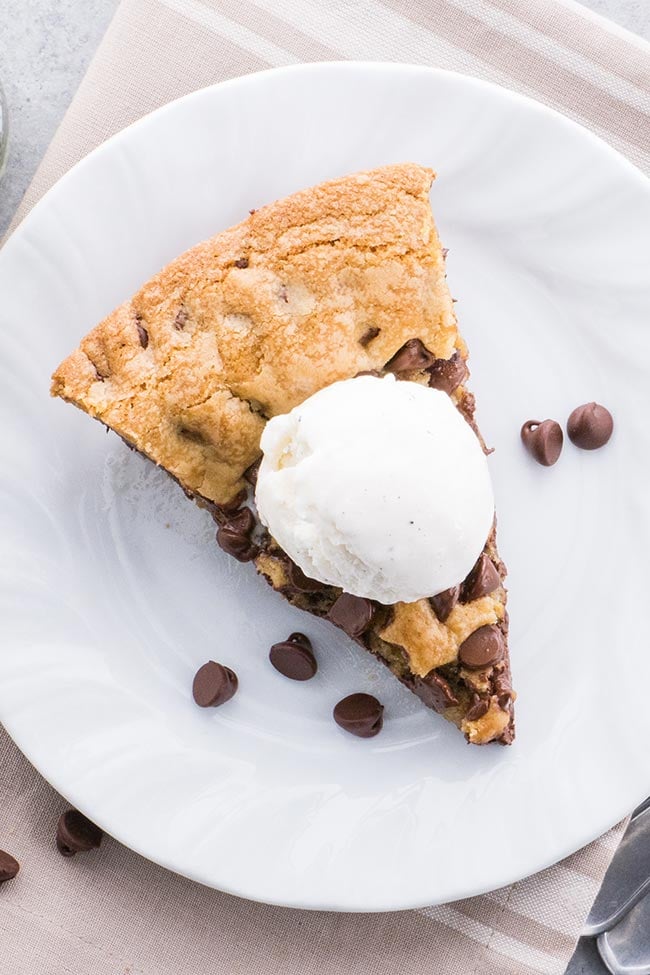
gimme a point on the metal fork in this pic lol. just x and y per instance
(620, 916)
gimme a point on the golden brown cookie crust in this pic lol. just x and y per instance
(251, 322)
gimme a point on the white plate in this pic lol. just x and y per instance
(114, 591)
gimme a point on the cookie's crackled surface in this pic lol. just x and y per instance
(251, 322)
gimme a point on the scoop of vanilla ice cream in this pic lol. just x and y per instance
(377, 486)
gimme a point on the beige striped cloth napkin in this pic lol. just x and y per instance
(111, 912)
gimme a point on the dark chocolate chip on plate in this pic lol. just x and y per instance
(214, 684)
(294, 657)
(590, 426)
(75, 833)
(482, 648)
(352, 613)
(9, 867)
(360, 714)
(543, 440)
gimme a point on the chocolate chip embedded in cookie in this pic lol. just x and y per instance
(250, 474)
(444, 602)
(235, 535)
(543, 440)
(300, 581)
(143, 334)
(482, 648)
(214, 684)
(352, 613)
(9, 867)
(360, 714)
(478, 708)
(434, 691)
(294, 657)
(370, 333)
(413, 356)
(482, 580)
(181, 318)
(75, 833)
(590, 426)
(224, 513)
(448, 374)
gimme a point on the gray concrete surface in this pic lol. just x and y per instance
(633, 14)
(45, 47)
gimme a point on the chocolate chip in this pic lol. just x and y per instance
(444, 602)
(9, 867)
(294, 657)
(234, 535)
(235, 503)
(478, 709)
(143, 334)
(590, 426)
(445, 251)
(543, 440)
(181, 318)
(239, 546)
(434, 691)
(501, 686)
(213, 685)
(482, 648)
(370, 333)
(242, 521)
(250, 474)
(482, 580)
(352, 613)
(413, 356)
(241, 262)
(448, 374)
(75, 833)
(194, 436)
(360, 714)
(300, 581)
